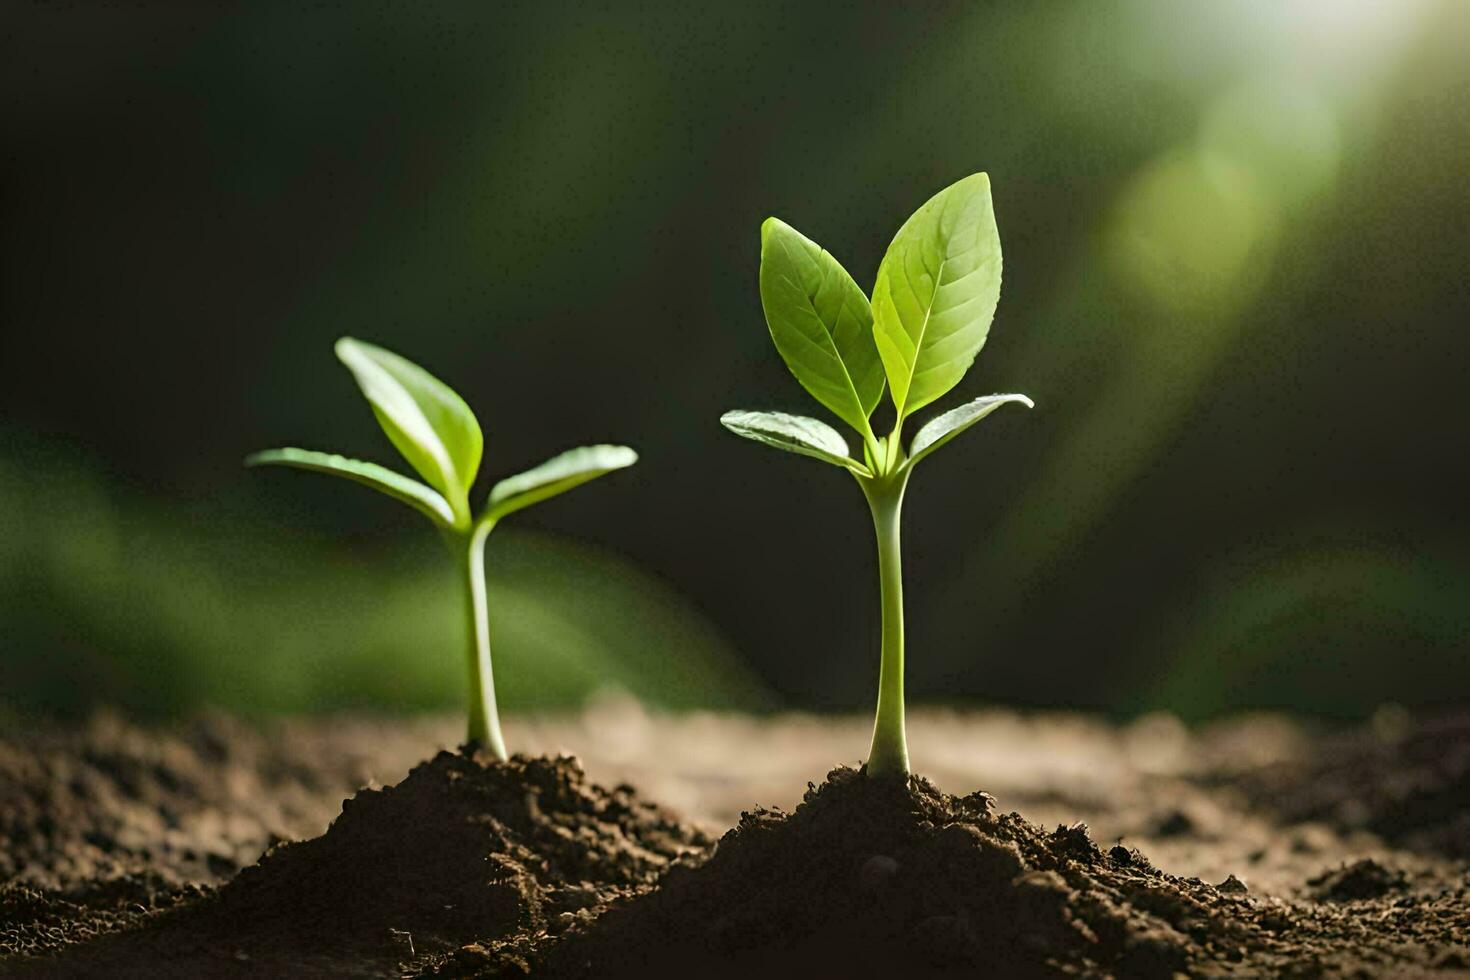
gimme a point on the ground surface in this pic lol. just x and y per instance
(122, 849)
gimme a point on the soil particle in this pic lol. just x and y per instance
(1233, 886)
(464, 848)
(872, 877)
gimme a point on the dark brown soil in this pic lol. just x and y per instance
(871, 878)
(103, 825)
(192, 804)
(1342, 854)
(462, 849)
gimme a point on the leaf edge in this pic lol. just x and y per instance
(425, 499)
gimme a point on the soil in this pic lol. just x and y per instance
(875, 878)
(464, 847)
(1407, 784)
(1256, 847)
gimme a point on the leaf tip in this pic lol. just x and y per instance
(267, 457)
(623, 456)
(771, 228)
(979, 180)
(352, 352)
(736, 420)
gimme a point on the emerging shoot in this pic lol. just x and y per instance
(931, 308)
(436, 432)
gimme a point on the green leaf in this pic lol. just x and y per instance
(795, 434)
(942, 428)
(557, 475)
(936, 293)
(380, 478)
(427, 422)
(821, 323)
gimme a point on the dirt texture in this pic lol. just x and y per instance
(883, 878)
(1272, 849)
(463, 848)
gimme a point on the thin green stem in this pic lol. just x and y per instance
(484, 727)
(889, 755)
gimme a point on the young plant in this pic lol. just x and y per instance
(936, 294)
(436, 432)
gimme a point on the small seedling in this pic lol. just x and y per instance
(936, 294)
(436, 432)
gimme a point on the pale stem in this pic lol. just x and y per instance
(889, 755)
(484, 726)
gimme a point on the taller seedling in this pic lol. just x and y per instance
(936, 293)
(436, 432)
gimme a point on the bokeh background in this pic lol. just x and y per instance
(1236, 242)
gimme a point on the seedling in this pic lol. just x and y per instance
(936, 293)
(436, 432)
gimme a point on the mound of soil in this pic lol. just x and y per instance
(887, 878)
(464, 848)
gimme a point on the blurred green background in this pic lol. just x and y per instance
(1236, 285)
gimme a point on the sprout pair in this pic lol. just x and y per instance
(931, 308)
(437, 434)
(936, 293)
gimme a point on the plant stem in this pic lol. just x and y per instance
(889, 755)
(484, 728)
